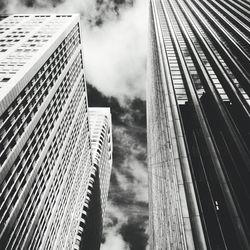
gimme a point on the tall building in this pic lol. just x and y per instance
(102, 148)
(198, 124)
(46, 170)
(101, 144)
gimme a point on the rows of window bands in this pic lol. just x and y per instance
(169, 215)
(25, 162)
(59, 98)
(17, 29)
(207, 50)
(67, 179)
(80, 226)
(158, 163)
(33, 200)
(67, 185)
(18, 174)
(34, 41)
(103, 158)
(7, 24)
(42, 217)
(24, 26)
(82, 200)
(17, 117)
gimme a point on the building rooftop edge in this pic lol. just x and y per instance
(99, 109)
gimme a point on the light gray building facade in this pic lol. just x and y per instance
(46, 167)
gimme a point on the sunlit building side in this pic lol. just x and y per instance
(45, 147)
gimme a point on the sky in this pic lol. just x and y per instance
(115, 47)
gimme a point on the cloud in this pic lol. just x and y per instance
(114, 241)
(130, 172)
(115, 53)
(87, 8)
(140, 182)
(134, 233)
(115, 218)
(128, 190)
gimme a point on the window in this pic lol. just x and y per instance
(5, 79)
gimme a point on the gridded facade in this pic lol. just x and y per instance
(102, 148)
(199, 124)
(90, 226)
(45, 151)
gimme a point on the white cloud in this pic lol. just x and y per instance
(115, 54)
(114, 241)
(85, 7)
(114, 212)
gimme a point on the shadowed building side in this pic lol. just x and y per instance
(198, 123)
(91, 224)
(93, 220)
(45, 156)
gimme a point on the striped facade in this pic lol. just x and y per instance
(94, 210)
(102, 148)
(199, 124)
(45, 148)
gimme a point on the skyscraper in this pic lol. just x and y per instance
(102, 148)
(46, 170)
(198, 124)
(101, 144)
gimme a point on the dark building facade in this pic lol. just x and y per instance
(199, 124)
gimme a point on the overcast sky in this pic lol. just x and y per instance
(115, 46)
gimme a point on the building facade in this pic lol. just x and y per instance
(94, 210)
(199, 124)
(102, 148)
(46, 165)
